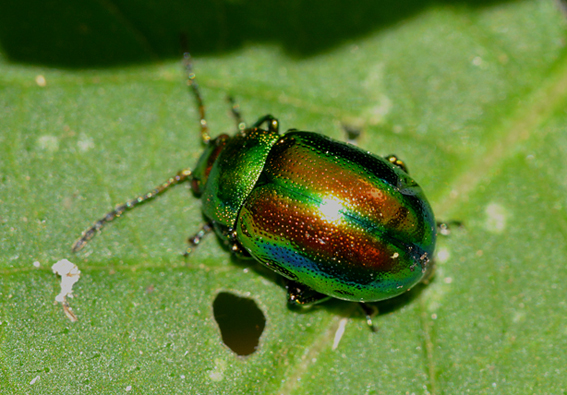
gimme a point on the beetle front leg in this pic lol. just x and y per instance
(235, 246)
(197, 237)
(301, 294)
(229, 237)
(273, 123)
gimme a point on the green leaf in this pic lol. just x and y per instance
(472, 98)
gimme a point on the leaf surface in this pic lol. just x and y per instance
(472, 98)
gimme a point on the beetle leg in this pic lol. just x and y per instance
(192, 82)
(273, 123)
(300, 294)
(369, 311)
(88, 234)
(235, 246)
(235, 110)
(197, 237)
(239, 251)
(393, 159)
(229, 237)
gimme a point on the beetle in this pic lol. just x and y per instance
(334, 220)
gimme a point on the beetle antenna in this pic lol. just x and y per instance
(88, 234)
(235, 110)
(192, 82)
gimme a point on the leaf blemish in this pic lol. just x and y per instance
(496, 217)
(70, 274)
(48, 143)
(339, 333)
(217, 373)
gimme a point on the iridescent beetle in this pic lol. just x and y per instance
(332, 219)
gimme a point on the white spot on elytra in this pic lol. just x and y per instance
(70, 274)
(331, 209)
(34, 380)
(496, 216)
(339, 333)
(48, 143)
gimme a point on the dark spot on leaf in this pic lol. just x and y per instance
(241, 322)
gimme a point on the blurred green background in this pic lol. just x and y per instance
(103, 33)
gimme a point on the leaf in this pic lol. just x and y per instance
(472, 98)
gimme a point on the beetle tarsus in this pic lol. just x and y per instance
(369, 311)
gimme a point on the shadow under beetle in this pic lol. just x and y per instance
(332, 219)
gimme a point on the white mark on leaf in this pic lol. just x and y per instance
(48, 143)
(496, 216)
(70, 274)
(339, 333)
(217, 374)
